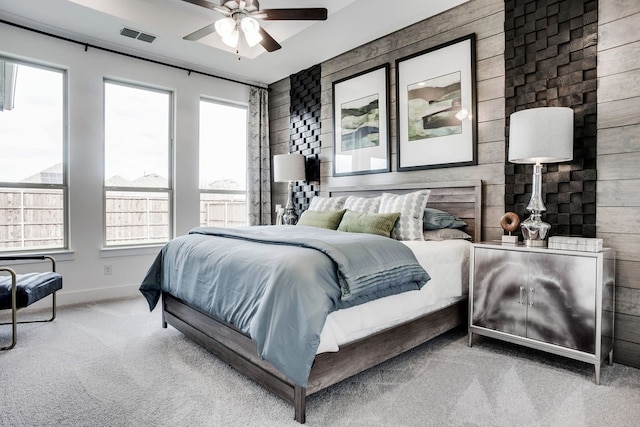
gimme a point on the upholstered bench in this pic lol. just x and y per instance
(21, 290)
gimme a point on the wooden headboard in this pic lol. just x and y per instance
(462, 199)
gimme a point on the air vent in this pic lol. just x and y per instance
(135, 34)
(146, 37)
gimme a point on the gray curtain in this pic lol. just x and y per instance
(259, 159)
(8, 71)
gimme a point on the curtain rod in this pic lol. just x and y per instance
(128, 55)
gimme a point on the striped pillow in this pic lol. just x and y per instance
(327, 203)
(363, 204)
(411, 207)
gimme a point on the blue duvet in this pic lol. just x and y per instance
(277, 284)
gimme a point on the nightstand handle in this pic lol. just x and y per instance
(531, 290)
(520, 300)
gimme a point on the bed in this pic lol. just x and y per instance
(354, 351)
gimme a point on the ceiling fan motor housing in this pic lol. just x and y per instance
(247, 5)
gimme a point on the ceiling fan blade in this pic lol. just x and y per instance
(268, 42)
(308, 14)
(202, 32)
(203, 3)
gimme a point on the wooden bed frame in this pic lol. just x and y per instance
(462, 199)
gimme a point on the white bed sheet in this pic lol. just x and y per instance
(447, 262)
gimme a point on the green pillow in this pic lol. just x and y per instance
(361, 222)
(321, 219)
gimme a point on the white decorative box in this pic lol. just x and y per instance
(584, 244)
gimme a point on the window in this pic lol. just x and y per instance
(223, 164)
(137, 165)
(33, 183)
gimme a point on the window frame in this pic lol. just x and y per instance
(129, 189)
(64, 186)
(244, 192)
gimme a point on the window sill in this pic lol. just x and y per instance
(121, 251)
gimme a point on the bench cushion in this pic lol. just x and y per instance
(31, 287)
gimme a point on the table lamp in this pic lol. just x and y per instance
(289, 168)
(538, 136)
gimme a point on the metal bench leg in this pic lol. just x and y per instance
(14, 306)
(14, 309)
(14, 312)
(53, 314)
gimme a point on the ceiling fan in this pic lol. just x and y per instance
(240, 16)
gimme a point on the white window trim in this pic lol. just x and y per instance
(65, 165)
(111, 250)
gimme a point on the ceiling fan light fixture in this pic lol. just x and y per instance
(249, 25)
(231, 39)
(253, 38)
(241, 15)
(225, 27)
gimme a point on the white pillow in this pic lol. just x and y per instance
(369, 205)
(411, 207)
(327, 203)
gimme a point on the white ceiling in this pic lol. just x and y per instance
(351, 23)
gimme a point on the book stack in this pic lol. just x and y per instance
(584, 244)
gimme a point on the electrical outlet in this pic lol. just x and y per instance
(107, 269)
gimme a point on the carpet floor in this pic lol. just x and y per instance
(112, 364)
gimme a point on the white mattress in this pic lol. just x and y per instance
(447, 262)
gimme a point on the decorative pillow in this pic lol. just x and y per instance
(327, 203)
(322, 219)
(445, 234)
(362, 204)
(435, 219)
(411, 208)
(372, 223)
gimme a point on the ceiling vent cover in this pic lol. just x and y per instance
(135, 34)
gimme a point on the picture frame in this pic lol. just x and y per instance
(361, 123)
(436, 106)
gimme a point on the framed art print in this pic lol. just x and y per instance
(361, 123)
(436, 105)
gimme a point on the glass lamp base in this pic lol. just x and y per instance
(290, 217)
(535, 231)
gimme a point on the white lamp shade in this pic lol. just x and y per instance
(541, 135)
(288, 167)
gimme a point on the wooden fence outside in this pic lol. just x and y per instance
(34, 218)
(136, 218)
(223, 213)
(31, 218)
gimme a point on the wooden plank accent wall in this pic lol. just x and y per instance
(279, 133)
(618, 186)
(483, 17)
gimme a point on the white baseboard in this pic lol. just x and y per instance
(98, 294)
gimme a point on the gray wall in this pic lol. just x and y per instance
(618, 162)
(618, 187)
